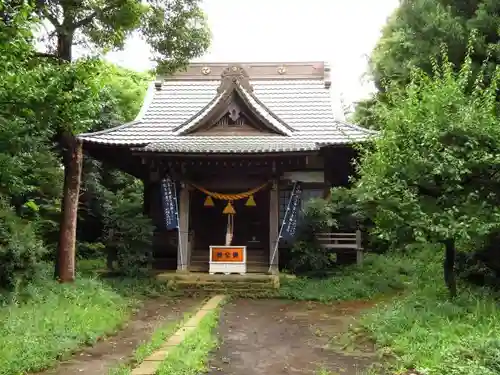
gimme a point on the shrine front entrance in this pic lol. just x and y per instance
(210, 224)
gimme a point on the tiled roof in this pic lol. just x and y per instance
(301, 109)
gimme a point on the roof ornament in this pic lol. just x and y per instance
(206, 70)
(281, 70)
(328, 79)
(232, 75)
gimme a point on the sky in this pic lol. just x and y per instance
(340, 32)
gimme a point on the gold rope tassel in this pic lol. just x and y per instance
(229, 209)
(209, 202)
(250, 202)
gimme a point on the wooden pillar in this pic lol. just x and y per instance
(359, 247)
(65, 262)
(183, 256)
(146, 196)
(273, 227)
(327, 173)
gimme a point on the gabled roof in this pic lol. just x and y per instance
(291, 100)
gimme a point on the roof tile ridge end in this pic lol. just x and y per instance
(358, 127)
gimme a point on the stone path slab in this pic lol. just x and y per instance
(151, 364)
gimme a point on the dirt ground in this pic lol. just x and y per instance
(114, 350)
(273, 337)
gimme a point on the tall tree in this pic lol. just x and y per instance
(414, 35)
(175, 30)
(435, 167)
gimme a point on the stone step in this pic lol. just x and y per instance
(250, 288)
(229, 284)
(250, 268)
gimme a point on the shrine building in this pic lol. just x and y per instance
(233, 139)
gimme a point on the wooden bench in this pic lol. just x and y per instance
(342, 241)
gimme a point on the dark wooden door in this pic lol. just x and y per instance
(209, 224)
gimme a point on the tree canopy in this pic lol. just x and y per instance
(414, 35)
(435, 167)
(175, 30)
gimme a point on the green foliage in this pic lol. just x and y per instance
(20, 249)
(378, 275)
(52, 319)
(176, 30)
(127, 232)
(147, 348)
(433, 169)
(191, 356)
(306, 255)
(415, 32)
(413, 36)
(425, 330)
(365, 113)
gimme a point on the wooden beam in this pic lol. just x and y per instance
(204, 156)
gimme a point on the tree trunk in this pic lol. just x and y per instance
(65, 260)
(64, 267)
(65, 44)
(449, 267)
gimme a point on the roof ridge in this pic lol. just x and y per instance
(314, 70)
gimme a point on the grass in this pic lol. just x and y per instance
(47, 321)
(55, 320)
(191, 356)
(147, 348)
(421, 328)
(427, 331)
(377, 276)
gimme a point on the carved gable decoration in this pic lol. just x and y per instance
(236, 107)
(234, 74)
(234, 119)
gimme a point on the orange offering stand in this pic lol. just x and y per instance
(228, 259)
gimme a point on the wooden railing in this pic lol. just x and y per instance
(342, 242)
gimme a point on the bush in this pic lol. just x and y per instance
(342, 212)
(306, 255)
(482, 267)
(128, 234)
(350, 214)
(20, 249)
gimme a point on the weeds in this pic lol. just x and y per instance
(47, 321)
(191, 356)
(147, 348)
(378, 275)
(50, 320)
